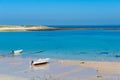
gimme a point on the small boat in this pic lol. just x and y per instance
(17, 52)
(39, 67)
(40, 61)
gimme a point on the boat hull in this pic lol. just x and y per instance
(40, 63)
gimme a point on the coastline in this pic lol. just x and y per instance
(20, 68)
(44, 28)
(23, 28)
(59, 69)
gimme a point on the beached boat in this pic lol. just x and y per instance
(17, 52)
(40, 61)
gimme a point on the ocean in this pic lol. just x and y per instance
(92, 45)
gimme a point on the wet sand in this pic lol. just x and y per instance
(17, 68)
(103, 67)
(6, 77)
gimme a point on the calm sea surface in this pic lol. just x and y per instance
(97, 45)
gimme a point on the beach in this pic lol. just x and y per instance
(74, 55)
(6, 77)
(23, 28)
(13, 28)
(59, 40)
(19, 68)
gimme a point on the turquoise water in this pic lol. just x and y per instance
(97, 45)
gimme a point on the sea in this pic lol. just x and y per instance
(88, 45)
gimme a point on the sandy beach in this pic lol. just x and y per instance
(22, 28)
(39, 28)
(20, 69)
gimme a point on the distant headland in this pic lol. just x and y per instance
(12, 28)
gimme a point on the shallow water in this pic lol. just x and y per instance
(95, 45)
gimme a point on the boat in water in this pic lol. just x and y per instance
(16, 52)
(40, 61)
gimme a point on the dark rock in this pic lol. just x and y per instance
(104, 52)
(117, 56)
(40, 51)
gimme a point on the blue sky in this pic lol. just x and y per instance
(60, 12)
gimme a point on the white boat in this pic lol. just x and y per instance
(39, 67)
(40, 61)
(17, 52)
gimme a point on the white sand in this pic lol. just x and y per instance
(19, 28)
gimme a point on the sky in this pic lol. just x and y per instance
(60, 12)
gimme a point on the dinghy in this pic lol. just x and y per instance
(40, 61)
(17, 52)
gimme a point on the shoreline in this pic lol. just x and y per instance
(23, 28)
(44, 28)
(59, 69)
